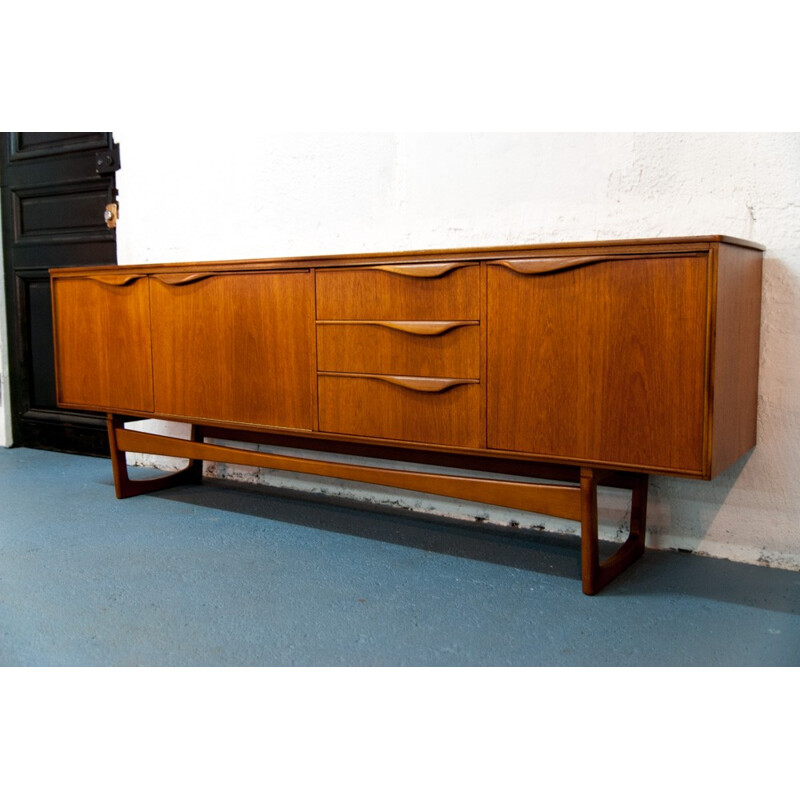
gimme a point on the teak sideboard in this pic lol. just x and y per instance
(579, 365)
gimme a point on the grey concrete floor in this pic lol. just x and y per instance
(229, 575)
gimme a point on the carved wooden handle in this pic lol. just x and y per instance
(421, 270)
(114, 280)
(545, 266)
(182, 278)
(408, 382)
(417, 328)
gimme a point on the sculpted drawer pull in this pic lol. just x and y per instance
(408, 382)
(114, 280)
(545, 266)
(416, 328)
(421, 270)
(182, 278)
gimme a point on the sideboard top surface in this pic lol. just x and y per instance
(621, 246)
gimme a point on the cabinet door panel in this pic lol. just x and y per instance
(102, 341)
(601, 363)
(235, 348)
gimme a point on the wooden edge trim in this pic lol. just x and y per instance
(661, 246)
(407, 381)
(553, 500)
(416, 328)
(712, 285)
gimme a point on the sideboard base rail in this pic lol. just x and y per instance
(577, 501)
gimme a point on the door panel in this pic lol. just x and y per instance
(235, 347)
(36, 145)
(43, 379)
(601, 363)
(55, 214)
(53, 204)
(104, 358)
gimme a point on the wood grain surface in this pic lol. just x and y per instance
(376, 294)
(448, 349)
(236, 348)
(604, 363)
(102, 343)
(370, 406)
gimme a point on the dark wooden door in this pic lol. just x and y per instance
(55, 189)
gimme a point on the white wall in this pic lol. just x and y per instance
(261, 195)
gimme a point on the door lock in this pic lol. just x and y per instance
(110, 215)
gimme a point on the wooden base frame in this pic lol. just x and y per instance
(577, 500)
(595, 573)
(127, 487)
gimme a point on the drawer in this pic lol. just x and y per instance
(409, 409)
(434, 349)
(400, 292)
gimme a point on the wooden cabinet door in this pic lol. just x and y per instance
(601, 362)
(234, 347)
(102, 343)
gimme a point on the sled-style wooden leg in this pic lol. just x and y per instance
(597, 574)
(126, 487)
(577, 502)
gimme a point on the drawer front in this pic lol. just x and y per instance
(434, 349)
(375, 407)
(435, 292)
